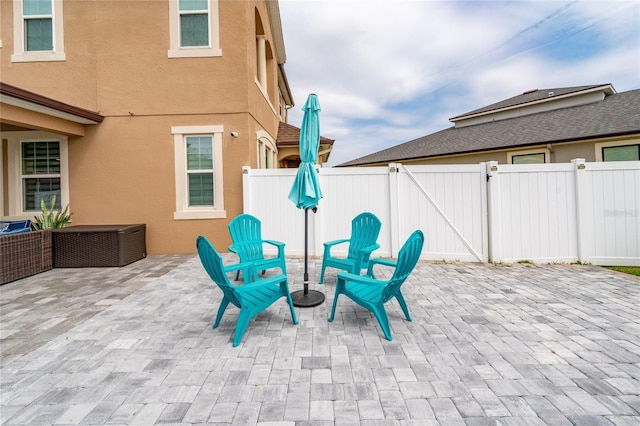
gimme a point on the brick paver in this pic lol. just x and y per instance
(488, 344)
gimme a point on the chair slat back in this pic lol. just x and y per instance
(212, 263)
(246, 234)
(407, 260)
(365, 229)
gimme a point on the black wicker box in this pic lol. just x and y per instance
(98, 245)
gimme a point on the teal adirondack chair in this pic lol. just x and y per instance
(371, 293)
(246, 235)
(252, 298)
(365, 229)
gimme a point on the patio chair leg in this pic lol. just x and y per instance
(293, 312)
(339, 289)
(383, 320)
(321, 281)
(221, 309)
(241, 327)
(403, 305)
(285, 291)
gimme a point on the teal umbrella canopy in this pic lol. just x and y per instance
(306, 192)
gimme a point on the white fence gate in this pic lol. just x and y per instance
(588, 212)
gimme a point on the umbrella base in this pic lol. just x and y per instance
(309, 300)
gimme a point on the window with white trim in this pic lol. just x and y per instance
(621, 153)
(194, 28)
(530, 156)
(618, 150)
(38, 169)
(40, 174)
(267, 151)
(38, 32)
(198, 172)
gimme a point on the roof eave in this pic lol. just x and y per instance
(476, 151)
(12, 95)
(607, 88)
(276, 29)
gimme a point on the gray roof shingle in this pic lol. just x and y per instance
(531, 96)
(616, 114)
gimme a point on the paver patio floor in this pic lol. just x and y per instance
(489, 344)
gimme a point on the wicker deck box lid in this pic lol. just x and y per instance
(98, 245)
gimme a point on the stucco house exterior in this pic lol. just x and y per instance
(141, 111)
(538, 126)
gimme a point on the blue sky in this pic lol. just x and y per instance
(390, 71)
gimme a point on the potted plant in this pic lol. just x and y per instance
(50, 219)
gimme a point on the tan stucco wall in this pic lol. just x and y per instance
(122, 170)
(139, 185)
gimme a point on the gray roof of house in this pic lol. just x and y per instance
(535, 95)
(616, 114)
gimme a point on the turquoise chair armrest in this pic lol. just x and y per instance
(335, 242)
(278, 244)
(274, 243)
(248, 269)
(327, 249)
(363, 254)
(237, 266)
(234, 249)
(360, 279)
(368, 250)
(261, 282)
(380, 261)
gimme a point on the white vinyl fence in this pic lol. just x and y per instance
(587, 212)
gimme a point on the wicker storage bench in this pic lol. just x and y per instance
(98, 245)
(24, 254)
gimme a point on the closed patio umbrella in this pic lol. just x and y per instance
(305, 192)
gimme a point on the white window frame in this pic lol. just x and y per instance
(19, 52)
(545, 151)
(14, 176)
(177, 51)
(266, 144)
(183, 210)
(610, 144)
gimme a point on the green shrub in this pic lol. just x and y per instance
(50, 219)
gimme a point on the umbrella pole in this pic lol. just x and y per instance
(305, 298)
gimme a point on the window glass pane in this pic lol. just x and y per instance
(36, 189)
(200, 189)
(40, 158)
(528, 159)
(199, 153)
(193, 5)
(38, 34)
(621, 153)
(36, 7)
(194, 30)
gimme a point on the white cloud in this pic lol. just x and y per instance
(388, 71)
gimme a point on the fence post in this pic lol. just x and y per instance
(394, 203)
(494, 211)
(584, 251)
(485, 211)
(246, 189)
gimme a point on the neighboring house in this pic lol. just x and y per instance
(140, 111)
(288, 146)
(539, 126)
